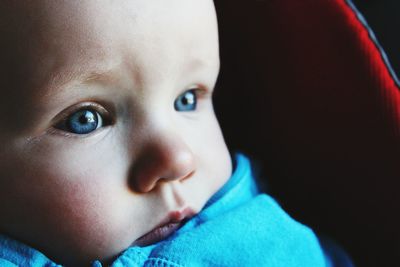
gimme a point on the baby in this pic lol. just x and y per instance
(110, 149)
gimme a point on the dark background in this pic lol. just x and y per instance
(353, 201)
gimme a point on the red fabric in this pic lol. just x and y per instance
(305, 90)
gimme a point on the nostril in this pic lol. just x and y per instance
(179, 179)
(177, 165)
(190, 174)
(161, 160)
(146, 174)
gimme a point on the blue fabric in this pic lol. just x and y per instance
(16, 254)
(237, 227)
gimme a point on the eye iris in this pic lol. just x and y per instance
(186, 101)
(83, 122)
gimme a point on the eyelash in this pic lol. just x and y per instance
(60, 126)
(199, 91)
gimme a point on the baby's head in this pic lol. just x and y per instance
(108, 128)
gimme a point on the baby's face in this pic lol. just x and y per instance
(108, 127)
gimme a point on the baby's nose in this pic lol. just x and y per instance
(162, 159)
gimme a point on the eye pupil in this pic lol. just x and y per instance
(86, 118)
(83, 121)
(186, 101)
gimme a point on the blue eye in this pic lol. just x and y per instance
(186, 101)
(83, 121)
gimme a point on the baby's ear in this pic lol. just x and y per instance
(306, 88)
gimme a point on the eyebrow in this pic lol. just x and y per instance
(60, 82)
(97, 76)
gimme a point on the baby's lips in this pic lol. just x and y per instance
(167, 227)
(157, 234)
(180, 215)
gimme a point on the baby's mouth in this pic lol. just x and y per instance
(158, 234)
(172, 223)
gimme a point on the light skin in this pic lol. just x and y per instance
(83, 196)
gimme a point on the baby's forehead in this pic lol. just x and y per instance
(48, 33)
(88, 19)
(54, 41)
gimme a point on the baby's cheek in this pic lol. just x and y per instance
(67, 207)
(88, 203)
